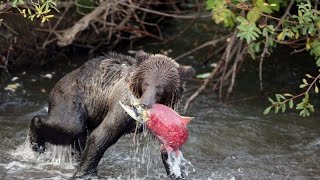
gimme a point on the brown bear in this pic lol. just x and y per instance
(84, 105)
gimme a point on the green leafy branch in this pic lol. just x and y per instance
(244, 14)
(282, 101)
(247, 30)
(40, 10)
(263, 24)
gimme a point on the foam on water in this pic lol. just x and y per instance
(56, 161)
(179, 166)
(54, 155)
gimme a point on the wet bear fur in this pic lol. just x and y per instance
(84, 105)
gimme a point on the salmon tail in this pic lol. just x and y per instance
(186, 120)
(170, 150)
(166, 148)
(177, 152)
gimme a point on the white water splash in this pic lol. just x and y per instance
(54, 155)
(179, 166)
(55, 163)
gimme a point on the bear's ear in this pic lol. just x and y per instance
(186, 72)
(141, 56)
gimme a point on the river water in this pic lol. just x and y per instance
(230, 140)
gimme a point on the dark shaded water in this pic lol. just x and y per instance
(226, 141)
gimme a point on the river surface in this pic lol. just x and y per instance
(229, 141)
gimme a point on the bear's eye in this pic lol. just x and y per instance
(144, 86)
(159, 89)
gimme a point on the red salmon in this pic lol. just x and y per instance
(168, 126)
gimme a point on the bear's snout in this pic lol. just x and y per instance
(148, 98)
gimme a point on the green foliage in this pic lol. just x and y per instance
(254, 48)
(263, 6)
(39, 10)
(220, 12)
(254, 14)
(282, 101)
(315, 50)
(255, 22)
(247, 30)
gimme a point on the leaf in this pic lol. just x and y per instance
(304, 113)
(29, 12)
(271, 100)
(309, 76)
(276, 109)
(203, 76)
(278, 97)
(221, 14)
(253, 15)
(310, 107)
(308, 46)
(318, 62)
(282, 97)
(297, 35)
(304, 81)
(291, 104)
(275, 4)
(306, 97)
(283, 107)
(14, 3)
(210, 4)
(50, 16)
(300, 106)
(241, 19)
(264, 7)
(316, 89)
(267, 110)
(43, 19)
(280, 36)
(288, 94)
(302, 85)
(248, 31)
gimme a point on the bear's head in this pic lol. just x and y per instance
(159, 79)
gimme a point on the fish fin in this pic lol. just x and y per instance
(186, 120)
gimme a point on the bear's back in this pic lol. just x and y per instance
(92, 81)
(99, 79)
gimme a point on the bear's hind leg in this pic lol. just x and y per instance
(63, 126)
